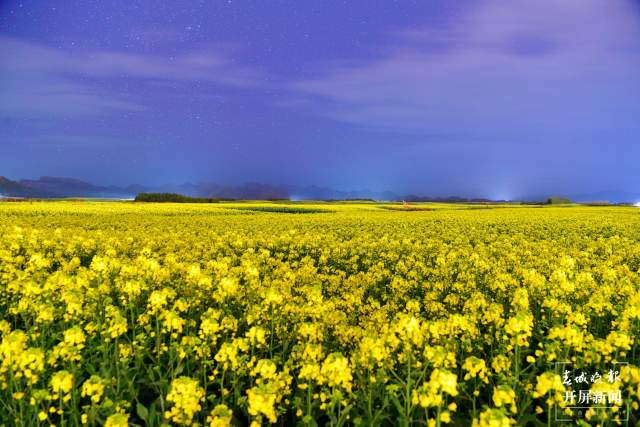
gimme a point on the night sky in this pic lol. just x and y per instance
(493, 98)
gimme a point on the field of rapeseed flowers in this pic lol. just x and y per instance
(140, 314)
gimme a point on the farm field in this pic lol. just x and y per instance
(116, 313)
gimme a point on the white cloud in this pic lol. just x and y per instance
(549, 66)
(41, 80)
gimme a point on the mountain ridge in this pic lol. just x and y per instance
(61, 187)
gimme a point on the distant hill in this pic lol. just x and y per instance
(57, 187)
(608, 196)
(53, 187)
(71, 187)
(9, 188)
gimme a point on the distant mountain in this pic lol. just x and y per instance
(9, 188)
(53, 184)
(71, 187)
(608, 196)
(55, 187)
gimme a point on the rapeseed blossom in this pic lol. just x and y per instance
(117, 420)
(61, 384)
(344, 314)
(93, 388)
(185, 396)
(504, 395)
(220, 416)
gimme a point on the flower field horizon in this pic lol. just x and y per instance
(115, 314)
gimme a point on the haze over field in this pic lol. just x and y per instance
(477, 98)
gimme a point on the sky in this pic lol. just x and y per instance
(487, 98)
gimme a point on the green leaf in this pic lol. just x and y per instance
(142, 411)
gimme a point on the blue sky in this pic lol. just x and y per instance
(496, 98)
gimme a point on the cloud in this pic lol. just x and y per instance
(503, 68)
(43, 81)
